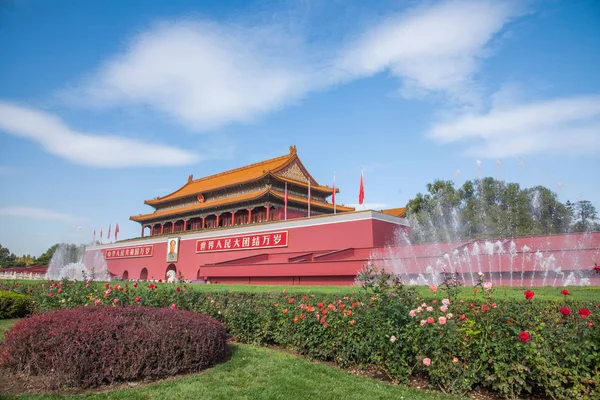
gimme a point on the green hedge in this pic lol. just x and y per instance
(14, 305)
(550, 348)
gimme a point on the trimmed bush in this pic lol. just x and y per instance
(92, 346)
(14, 305)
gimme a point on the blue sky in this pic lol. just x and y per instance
(106, 104)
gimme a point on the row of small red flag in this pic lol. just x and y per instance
(108, 235)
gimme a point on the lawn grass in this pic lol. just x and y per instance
(261, 373)
(5, 324)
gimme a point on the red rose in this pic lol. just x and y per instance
(584, 312)
(135, 284)
(137, 299)
(484, 308)
(291, 300)
(106, 285)
(529, 294)
(524, 336)
(590, 324)
(565, 311)
(565, 292)
(178, 289)
(320, 305)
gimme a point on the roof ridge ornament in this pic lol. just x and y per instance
(293, 149)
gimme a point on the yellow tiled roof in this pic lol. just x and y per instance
(396, 212)
(200, 206)
(236, 176)
(304, 200)
(235, 199)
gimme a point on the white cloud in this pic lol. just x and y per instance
(566, 126)
(37, 214)
(432, 48)
(205, 75)
(85, 148)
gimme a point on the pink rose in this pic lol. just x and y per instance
(412, 313)
(442, 320)
(423, 322)
(446, 302)
(427, 362)
(455, 360)
(433, 288)
(173, 306)
(430, 309)
(137, 299)
(444, 308)
(115, 300)
(487, 285)
(96, 302)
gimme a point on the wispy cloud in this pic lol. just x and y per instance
(433, 49)
(38, 214)
(205, 75)
(85, 148)
(565, 125)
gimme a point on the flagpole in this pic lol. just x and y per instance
(286, 202)
(333, 198)
(309, 198)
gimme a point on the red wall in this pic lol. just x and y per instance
(365, 233)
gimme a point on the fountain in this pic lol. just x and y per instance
(74, 263)
(544, 260)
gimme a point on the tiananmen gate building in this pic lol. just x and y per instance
(268, 222)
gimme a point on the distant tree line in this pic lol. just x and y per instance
(10, 260)
(488, 208)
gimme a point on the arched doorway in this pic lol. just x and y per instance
(144, 274)
(171, 273)
(125, 275)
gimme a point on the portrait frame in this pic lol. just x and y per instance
(172, 249)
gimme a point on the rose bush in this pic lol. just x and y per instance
(511, 347)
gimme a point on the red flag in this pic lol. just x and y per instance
(108, 236)
(285, 200)
(361, 191)
(116, 231)
(333, 193)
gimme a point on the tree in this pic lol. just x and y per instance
(45, 258)
(7, 259)
(485, 208)
(584, 216)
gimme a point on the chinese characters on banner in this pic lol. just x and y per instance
(130, 252)
(257, 241)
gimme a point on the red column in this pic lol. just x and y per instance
(217, 221)
(185, 225)
(249, 215)
(143, 230)
(162, 228)
(268, 211)
(232, 218)
(203, 220)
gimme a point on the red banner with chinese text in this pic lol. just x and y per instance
(245, 242)
(129, 252)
